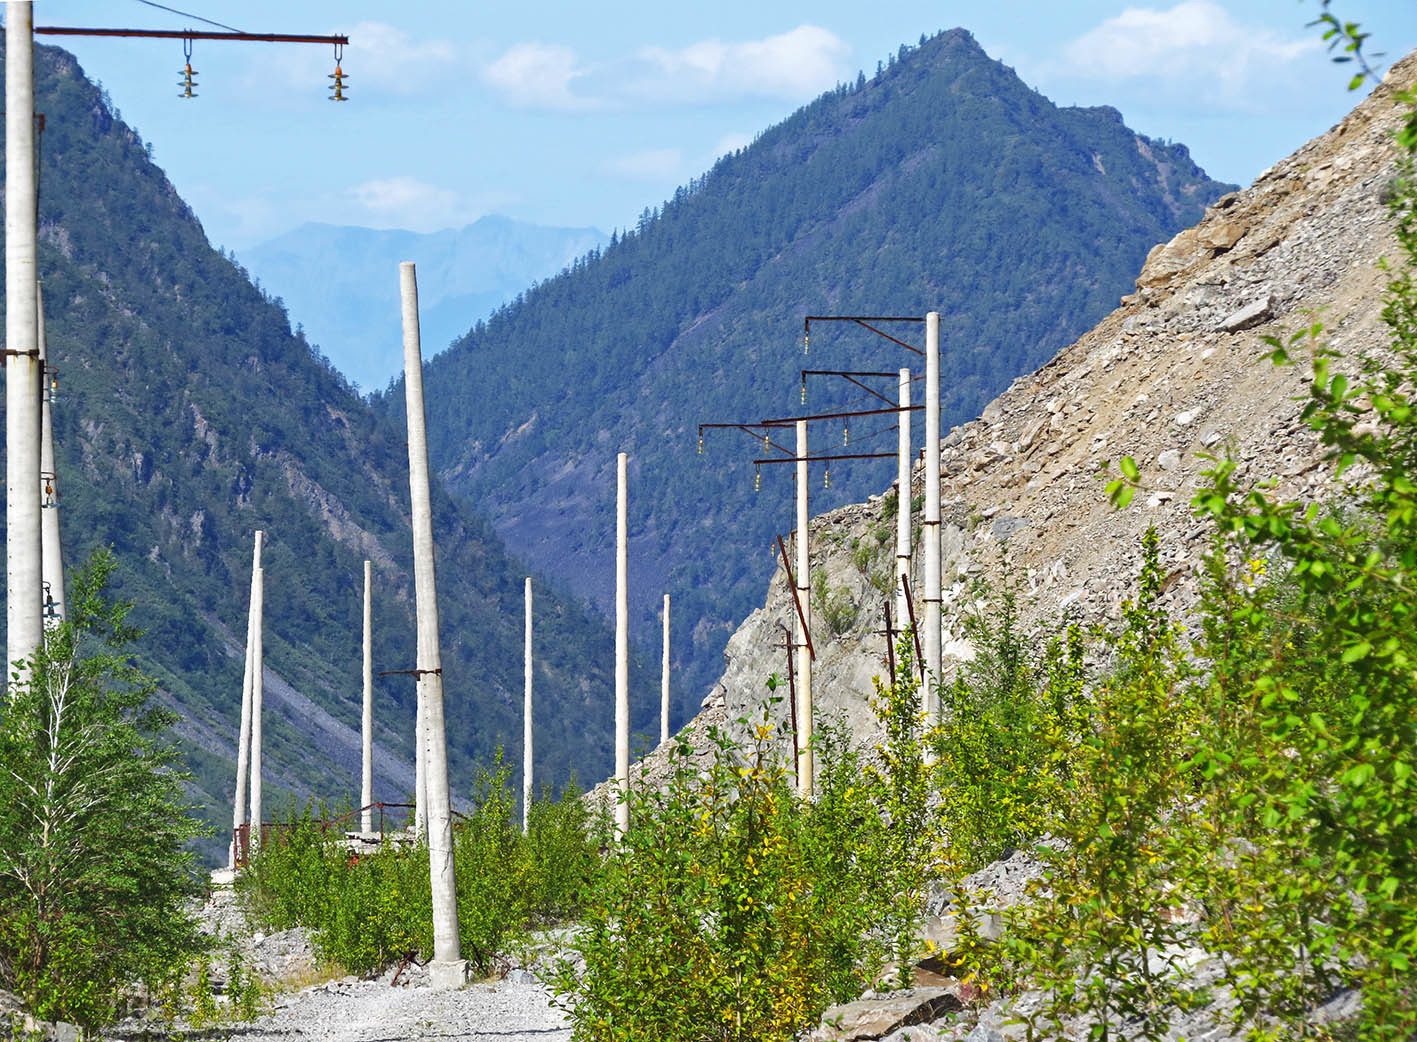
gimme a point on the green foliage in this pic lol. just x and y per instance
(1004, 723)
(560, 858)
(835, 607)
(1102, 942)
(368, 911)
(733, 910)
(95, 868)
(903, 852)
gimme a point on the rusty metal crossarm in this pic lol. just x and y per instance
(190, 34)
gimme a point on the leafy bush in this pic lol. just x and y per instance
(1000, 747)
(366, 912)
(731, 910)
(95, 870)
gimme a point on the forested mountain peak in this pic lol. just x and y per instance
(941, 183)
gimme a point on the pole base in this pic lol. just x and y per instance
(445, 975)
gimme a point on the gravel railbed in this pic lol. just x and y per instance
(372, 1011)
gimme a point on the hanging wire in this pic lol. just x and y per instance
(188, 14)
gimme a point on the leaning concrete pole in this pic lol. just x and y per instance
(243, 741)
(24, 604)
(930, 595)
(664, 679)
(804, 597)
(52, 550)
(526, 717)
(258, 666)
(366, 788)
(622, 651)
(448, 969)
(902, 503)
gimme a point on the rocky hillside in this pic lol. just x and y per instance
(1177, 371)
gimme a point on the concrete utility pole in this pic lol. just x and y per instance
(902, 502)
(420, 770)
(931, 524)
(24, 604)
(243, 741)
(664, 680)
(52, 552)
(447, 969)
(804, 595)
(366, 788)
(526, 718)
(258, 667)
(622, 651)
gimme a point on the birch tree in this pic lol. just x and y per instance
(94, 864)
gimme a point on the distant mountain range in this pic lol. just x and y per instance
(942, 183)
(335, 283)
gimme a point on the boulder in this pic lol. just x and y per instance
(875, 1018)
(1251, 314)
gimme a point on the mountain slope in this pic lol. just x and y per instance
(191, 415)
(1178, 371)
(944, 183)
(334, 281)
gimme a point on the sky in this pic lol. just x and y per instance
(582, 115)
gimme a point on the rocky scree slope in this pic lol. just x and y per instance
(1178, 370)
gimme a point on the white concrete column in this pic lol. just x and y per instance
(622, 650)
(664, 680)
(805, 782)
(24, 603)
(904, 459)
(52, 550)
(420, 769)
(366, 787)
(448, 968)
(243, 740)
(526, 718)
(930, 594)
(258, 668)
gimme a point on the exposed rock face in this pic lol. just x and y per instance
(1177, 371)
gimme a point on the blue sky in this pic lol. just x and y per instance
(583, 114)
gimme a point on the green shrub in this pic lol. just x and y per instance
(1001, 747)
(95, 868)
(731, 910)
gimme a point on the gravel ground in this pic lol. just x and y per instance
(371, 1011)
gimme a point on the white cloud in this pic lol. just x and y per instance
(731, 143)
(407, 202)
(380, 58)
(538, 75)
(654, 164)
(1195, 46)
(794, 64)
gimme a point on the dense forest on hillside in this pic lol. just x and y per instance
(942, 183)
(189, 415)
